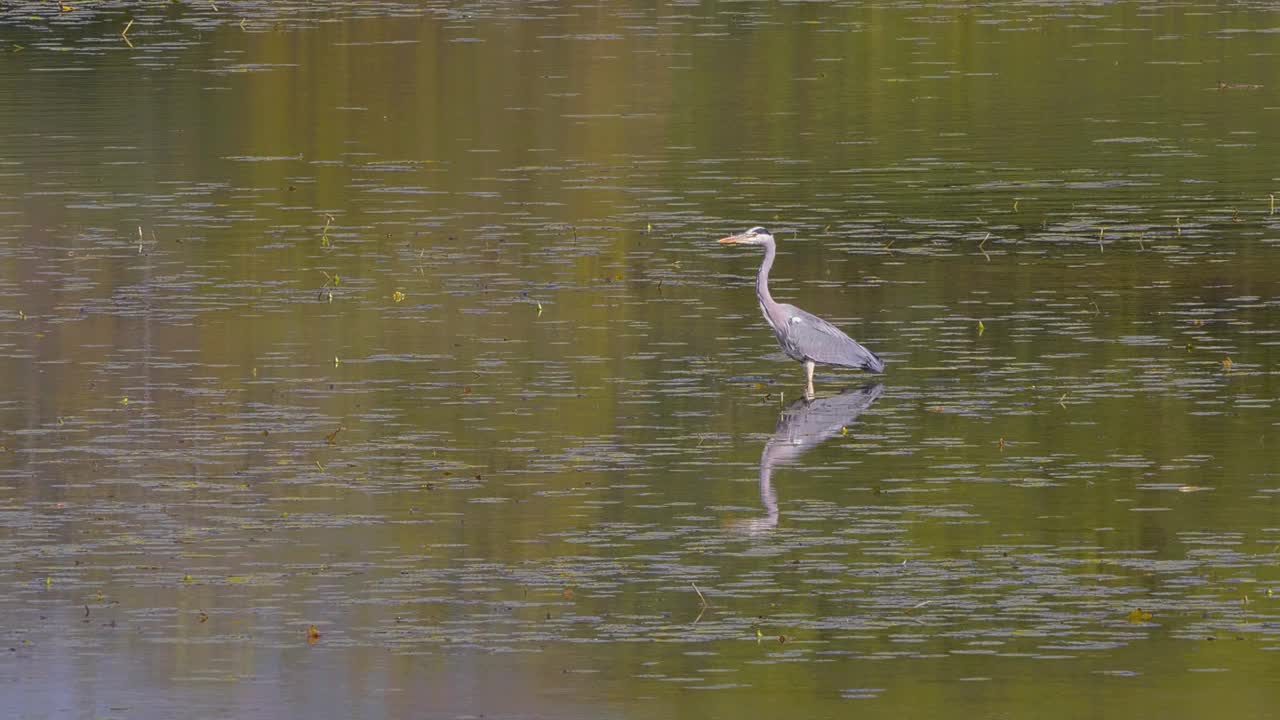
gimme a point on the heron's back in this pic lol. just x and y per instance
(805, 336)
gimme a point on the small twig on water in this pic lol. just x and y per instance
(983, 249)
(701, 597)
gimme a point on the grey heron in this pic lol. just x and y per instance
(804, 337)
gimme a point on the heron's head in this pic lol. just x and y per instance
(755, 236)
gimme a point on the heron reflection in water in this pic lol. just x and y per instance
(802, 426)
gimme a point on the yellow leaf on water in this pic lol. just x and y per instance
(981, 328)
(1138, 615)
(187, 579)
(313, 633)
(1226, 363)
(397, 296)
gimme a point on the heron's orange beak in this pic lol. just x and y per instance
(730, 240)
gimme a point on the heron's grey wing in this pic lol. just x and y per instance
(814, 338)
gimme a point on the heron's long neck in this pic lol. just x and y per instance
(762, 277)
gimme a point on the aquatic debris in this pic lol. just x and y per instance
(330, 282)
(313, 634)
(1138, 615)
(701, 597)
(324, 234)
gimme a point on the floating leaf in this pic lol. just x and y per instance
(1138, 615)
(981, 328)
(397, 296)
(313, 634)
(1226, 363)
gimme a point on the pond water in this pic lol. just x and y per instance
(378, 360)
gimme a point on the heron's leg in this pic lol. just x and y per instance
(808, 379)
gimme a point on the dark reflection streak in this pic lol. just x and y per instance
(802, 426)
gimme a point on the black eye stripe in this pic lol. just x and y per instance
(757, 230)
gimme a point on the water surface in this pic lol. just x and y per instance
(406, 323)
